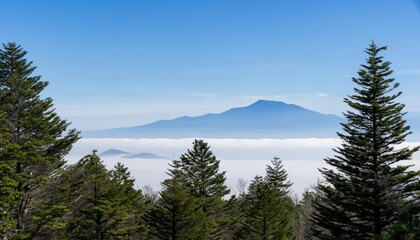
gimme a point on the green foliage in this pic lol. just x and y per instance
(367, 194)
(268, 210)
(176, 214)
(35, 138)
(199, 170)
(408, 225)
(107, 204)
(276, 176)
(263, 212)
(367, 187)
(302, 224)
(234, 209)
(54, 204)
(86, 201)
(8, 196)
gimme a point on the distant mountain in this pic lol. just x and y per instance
(143, 156)
(122, 154)
(262, 119)
(113, 153)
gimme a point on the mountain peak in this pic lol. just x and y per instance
(262, 119)
(268, 103)
(264, 101)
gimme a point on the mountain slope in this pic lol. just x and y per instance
(262, 119)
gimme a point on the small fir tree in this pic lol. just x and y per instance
(108, 202)
(199, 170)
(277, 176)
(128, 204)
(268, 209)
(176, 215)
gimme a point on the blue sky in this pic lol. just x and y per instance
(124, 63)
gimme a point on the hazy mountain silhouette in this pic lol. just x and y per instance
(262, 119)
(143, 156)
(118, 153)
(112, 153)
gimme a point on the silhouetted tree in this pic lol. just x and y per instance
(367, 185)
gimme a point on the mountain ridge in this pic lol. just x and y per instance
(123, 154)
(261, 119)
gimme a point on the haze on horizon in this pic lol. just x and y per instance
(240, 158)
(113, 64)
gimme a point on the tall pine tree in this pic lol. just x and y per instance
(367, 184)
(37, 132)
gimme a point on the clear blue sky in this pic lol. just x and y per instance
(124, 63)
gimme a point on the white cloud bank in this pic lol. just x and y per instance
(240, 158)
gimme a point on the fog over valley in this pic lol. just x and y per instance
(240, 158)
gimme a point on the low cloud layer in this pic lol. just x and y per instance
(240, 158)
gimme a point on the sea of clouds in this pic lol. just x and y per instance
(240, 158)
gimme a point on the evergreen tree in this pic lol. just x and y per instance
(8, 196)
(52, 205)
(176, 214)
(262, 212)
(129, 204)
(302, 224)
(268, 209)
(407, 226)
(199, 169)
(235, 210)
(367, 185)
(107, 204)
(86, 201)
(35, 131)
(276, 176)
